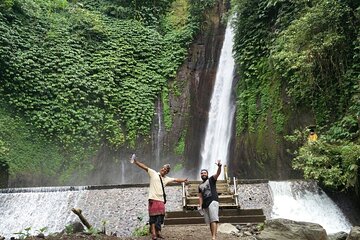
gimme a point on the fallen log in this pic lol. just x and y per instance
(78, 211)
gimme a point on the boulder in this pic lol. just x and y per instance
(354, 233)
(338, 236)
(227, 228)
(284, 229)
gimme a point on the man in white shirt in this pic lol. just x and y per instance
(157, 196)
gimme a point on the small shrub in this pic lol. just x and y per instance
(141, 231)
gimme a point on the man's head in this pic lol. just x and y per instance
(204, 174)
(165, 169)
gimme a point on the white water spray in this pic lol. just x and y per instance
(221, 113)
(19, 211)
(159, 132)
(305, 201)
(123, 172)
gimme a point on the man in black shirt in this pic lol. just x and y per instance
(209, 200)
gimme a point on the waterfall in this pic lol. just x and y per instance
(33, 209)
(159, 132)
(158, 135)
(305, 201)
(123, 172)
(221, 113)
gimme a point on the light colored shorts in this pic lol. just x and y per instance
(211, 214)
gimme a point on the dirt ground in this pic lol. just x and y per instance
(188, 232)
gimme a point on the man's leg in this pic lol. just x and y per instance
(153, 231)
(152, 222)
(214, 218)
(213, 229)
(159, 222)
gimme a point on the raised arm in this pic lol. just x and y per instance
(217, 174)
(141, 165)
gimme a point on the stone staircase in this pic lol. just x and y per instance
(234, 216)
(230, 211)
(227, 197)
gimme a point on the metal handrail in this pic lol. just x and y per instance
(226, 176)
(183, 194)
(235, 193)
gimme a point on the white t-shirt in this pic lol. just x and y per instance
(155, 190)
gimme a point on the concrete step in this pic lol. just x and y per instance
(235, 216)
(222, 219)
(222, 212)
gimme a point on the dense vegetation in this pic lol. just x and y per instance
(75, 75)
(303, 55)
(78, 74)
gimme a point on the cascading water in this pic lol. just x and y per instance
(114, 207)
(123, 171)
(157, 135)
(221, 113)
(159, 132)
(18, 210)
(305, 201)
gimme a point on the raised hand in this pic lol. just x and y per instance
(218, 162)
(133, 157)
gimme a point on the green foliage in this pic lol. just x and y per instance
(42, 230)
(180, 147)
(336, 165)
(69, 229)
(259, 89)
(313, 53)
(141, 231)
(178, 167)
(148, 13)
(333, 159)
(166, 109)
(302, 54)
(24, 234)
(303, 47)
(260, 226)
(6, 4)
(93, 231)
(19, 144)
(85, 73)
(3, 152)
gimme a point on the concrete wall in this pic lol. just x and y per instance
(123, 208)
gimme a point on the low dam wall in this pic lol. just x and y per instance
(121, 209)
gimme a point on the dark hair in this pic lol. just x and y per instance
(204, 170)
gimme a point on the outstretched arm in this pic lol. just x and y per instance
(217, 174)
(180, 180)
(141, 165)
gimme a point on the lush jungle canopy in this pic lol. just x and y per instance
(85, 73)
(76, 74)
(303, 54)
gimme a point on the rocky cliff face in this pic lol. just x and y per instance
(262, 154)
(196, 77)
(265, 153)
(189, 96)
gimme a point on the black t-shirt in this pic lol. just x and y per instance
(208, 191)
